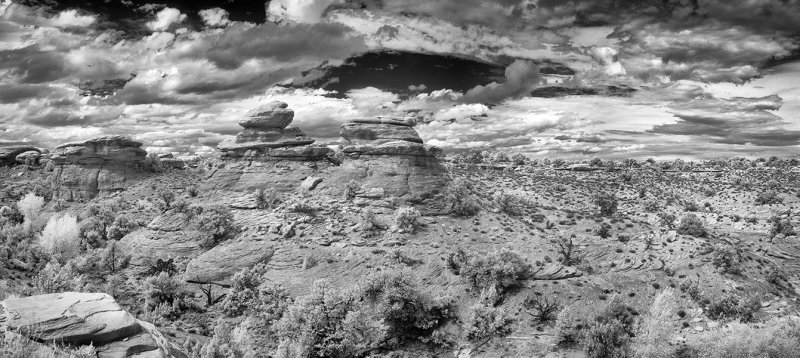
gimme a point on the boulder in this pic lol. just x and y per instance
(310, 183)
(359, 133)
(100, 151)
(80, 318)
(273, 115)
(220, 263)
(8, 154)
(163, 238)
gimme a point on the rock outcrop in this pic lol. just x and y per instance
(389, 154)
(78, 318)
(9, 154)
(84, 170)
(267, 135)
(167, 236)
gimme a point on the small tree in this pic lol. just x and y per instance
(30, 206)
(606, 203)
(407, 219)
(123, 225)
(541, 307)
(167, 196)
(692, 225)
(61, 237)
(459, 200)
(568, 250)
(216, 223)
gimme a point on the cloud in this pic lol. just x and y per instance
(71, 18)
(165, 18)
(521, 76)
(307, 11)
(215, 17)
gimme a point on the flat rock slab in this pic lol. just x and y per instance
(220, 263)
(70, 317)
(366, 132)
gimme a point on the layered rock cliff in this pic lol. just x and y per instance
(84, 170)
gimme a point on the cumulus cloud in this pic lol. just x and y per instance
(308, 11)
(166, 18)
(215, 17)
(521, 76)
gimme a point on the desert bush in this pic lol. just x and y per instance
(30, 206)
(692, 225)
(351, 190)
(519, 159)
(407, 219)
(459, 200)
(609, 333)
(768, 197)
(568, 251)
(500, 157)
(651, 206)
(727, 259)
(606, 203)
(103, 262)
(667, 220)
(123, 225)
(61, 237)
(55, 277)
(654, 332)
(221, 344)
(193, 191)
(781, 224)
(485, 320)
(603, 231)
(266, 198)
(243, 291)
(500, 270)
(691, 206)
(216, 223)
(167, 197)
(541, 307)
(692, 289)
(732, 306)
(508, 203)
(778, 338)
(569, 326)
(164, 289)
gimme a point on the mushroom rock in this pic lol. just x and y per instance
(268, 153)
(267, 136)
(9, 154)
(80, 318)
(84, 170)
(388, 153)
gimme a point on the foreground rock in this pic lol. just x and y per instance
(267, 135)
(84, 170)
(389, 154)
(78, 318)
(9, 154)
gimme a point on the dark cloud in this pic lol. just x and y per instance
(32, 65)
(12, 93)
(732, 121)
(283, 43)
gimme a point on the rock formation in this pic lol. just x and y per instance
(83, 170)
(9, 154)
(268, 153)
(389, 154)
(78, 318)
(267, 135)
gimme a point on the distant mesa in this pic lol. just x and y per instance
(9, 154)
(267, 135)
(86, 169)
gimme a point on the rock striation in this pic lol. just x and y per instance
(9, 154)
(388, 153)
(267, 135)
(79, 318)
(84, 170)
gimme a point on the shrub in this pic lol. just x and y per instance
(30, 206)
(727, 259)
(692, 225)
(776, 338)
(123, 225)
(216, 223)
(606, 203)
(407, 219)
(167, 196)
(164, 289)
(509, 204)
(458, 199)
(519, 159)
(103, 262)
(603, 231)
(732, 306)
(768, 197)
(541, 307)
(193, 191)
(604, 339)
(652, 206)
(61, 237)
(654, 333)
(781, 224)
(57, 278)
(351, 190)
(691, 206)
(243, 291)
(569, 326)
(500, 270)
(667, 220)
(570, 255)
(484, 320)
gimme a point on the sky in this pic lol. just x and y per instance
(572, 79)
